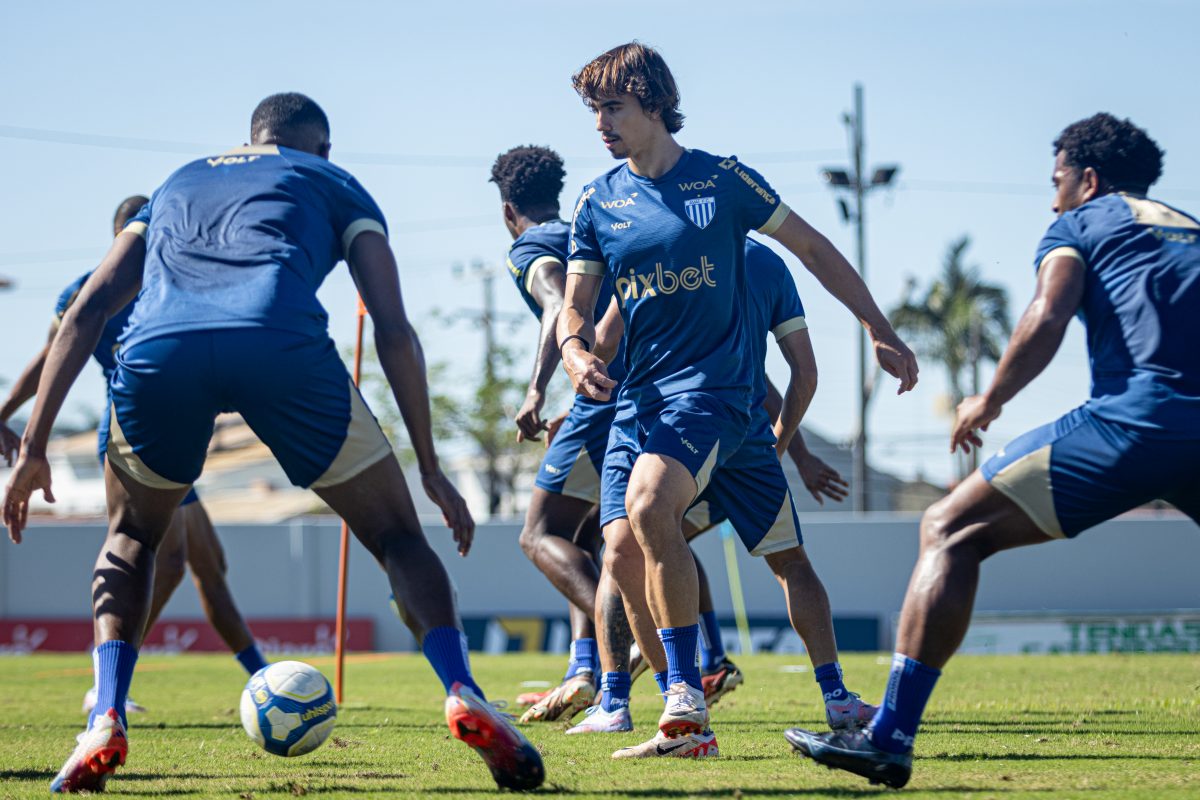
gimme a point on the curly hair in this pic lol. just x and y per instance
(288, 114)
(633, 69)
(529, 177)
(1120, 152)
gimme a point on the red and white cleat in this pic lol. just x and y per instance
(514, 762)
(692, 745)
(721, 681)
(849, 713)
(100, 750)
(565, 701)
(685, 712)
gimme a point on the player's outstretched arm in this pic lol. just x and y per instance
(375, 274)
(802, 385)
(549, 283)
(824, 261)
(1036, 339)
(23, 389)
(819, 478)
(577, 338)
(109, 289)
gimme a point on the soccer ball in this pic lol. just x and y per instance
(288, 708)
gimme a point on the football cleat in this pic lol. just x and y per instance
(100, 750)
(600, 721)
(849, 713)
(131, 706)
(572, 696)
(685, 711)
(514, 762)
(692, 745)
(853, 752)
(721, 680)
(527, 699)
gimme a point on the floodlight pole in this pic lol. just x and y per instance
(861, 495)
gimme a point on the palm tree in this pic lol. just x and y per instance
(960, 322)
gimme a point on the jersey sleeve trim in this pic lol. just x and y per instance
(1065, 252)
(789, 326)
(577, 267)
(362, 225)
(775, 220)
(254, 150)
(137, 228)
(56, 322)
(537, 264)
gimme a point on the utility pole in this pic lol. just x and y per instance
(854, 182)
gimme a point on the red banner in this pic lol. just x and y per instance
(300, 636)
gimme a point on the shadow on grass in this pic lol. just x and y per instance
(741, 791)
(1052, 757)
(26, 774)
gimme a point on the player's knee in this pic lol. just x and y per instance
(937, 526)
(650, 515)
(170, 566)
(530, 540)
(621, 556)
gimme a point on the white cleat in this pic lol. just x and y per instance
(565, 701)
(597, 720)
(691, 745)
(131, 706)
(685, 712)
(849, 713)
(98, 752)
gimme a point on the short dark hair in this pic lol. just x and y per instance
(287, 115)
(529, 177)
(636, 69)
(1120, 152)
(129, 208)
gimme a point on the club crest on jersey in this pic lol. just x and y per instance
(700, 210)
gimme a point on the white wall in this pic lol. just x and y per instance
(1135, 564)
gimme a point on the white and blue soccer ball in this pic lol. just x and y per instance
(288, 708)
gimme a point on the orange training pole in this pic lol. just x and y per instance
(344, 552)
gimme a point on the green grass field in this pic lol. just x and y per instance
(998, 727)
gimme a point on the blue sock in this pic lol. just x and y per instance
(251, 659)
(446, 649)
(680, 644)
(661, 679)
(614, 688)
(583, 658)
(830, 677)
(712, 650)
(114, 662)
(909, 686)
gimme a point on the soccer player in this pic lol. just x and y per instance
(561, 530)
(669, 225)
(190, 540)
(773, 309)
(228, 256)
(1129, 268)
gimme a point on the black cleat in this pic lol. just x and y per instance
(852, 752)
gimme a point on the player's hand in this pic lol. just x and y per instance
(821, 480)
(589, 375)
(974, 414)
(10, 443)
(896, 359)
(454, 509)
(529, 417)
(552, 427)
(31, 473)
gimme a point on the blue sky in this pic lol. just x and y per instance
(966, 97)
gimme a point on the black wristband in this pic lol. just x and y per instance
(582, 341)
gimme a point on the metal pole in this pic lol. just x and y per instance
(861, 502)
(489, 370)
(344, 548)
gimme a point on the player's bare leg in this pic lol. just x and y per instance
(122, 586)
(548, 540)
(377, 506)
(957, 534)
(206, 558)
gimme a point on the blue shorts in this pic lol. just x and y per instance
(1081, 470)
(694, 428)
(292, 390)
(102, 433)
(751, 492)
(575, 458)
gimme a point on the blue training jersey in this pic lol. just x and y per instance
(547, 244)
(1141, 309)
(773, 309)
(675, 248)
(106, 348)
(244, 240)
